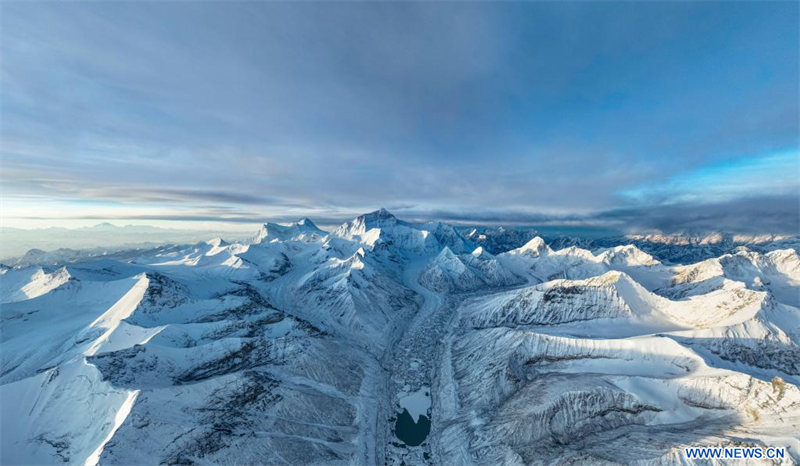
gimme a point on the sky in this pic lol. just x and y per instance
(641, 116)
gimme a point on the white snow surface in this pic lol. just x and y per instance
(417, 403)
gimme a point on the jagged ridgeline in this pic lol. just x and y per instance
(394, 343)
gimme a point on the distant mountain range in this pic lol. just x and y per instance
(674, 248)
(100, 238)
(62, 245)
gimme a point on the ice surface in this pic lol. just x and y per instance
(417, 403)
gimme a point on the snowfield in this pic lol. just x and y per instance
(302, 346)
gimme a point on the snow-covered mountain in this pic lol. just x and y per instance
(301, 230)
(382, 230)
(691, 248)
(388, 342)
(59, 245)
(678, 248)
(499, 239)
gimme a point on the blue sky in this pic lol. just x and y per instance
(629, 114)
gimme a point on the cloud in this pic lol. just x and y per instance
(749, 215)
(778, 172)
(553, 112)
(755, 214)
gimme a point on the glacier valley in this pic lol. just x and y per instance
(384, 342)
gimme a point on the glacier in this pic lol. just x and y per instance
(303, 346)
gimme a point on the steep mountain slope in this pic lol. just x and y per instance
(382, 230)
(357, 293)
(30, 282)
(610, 296)
(687, 248)
(520, 396)
(301, 230)
(777, 271)
(446, 272)
(540, 263)
(500, 239)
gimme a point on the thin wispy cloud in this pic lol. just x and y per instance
(777, 173)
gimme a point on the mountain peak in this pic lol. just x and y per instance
(481, 252)
(305, 222)
(217, 242)
(380, 218)
(104, 226)
(379, 215)
(535, 246)
(446, 254)
(302, 230)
